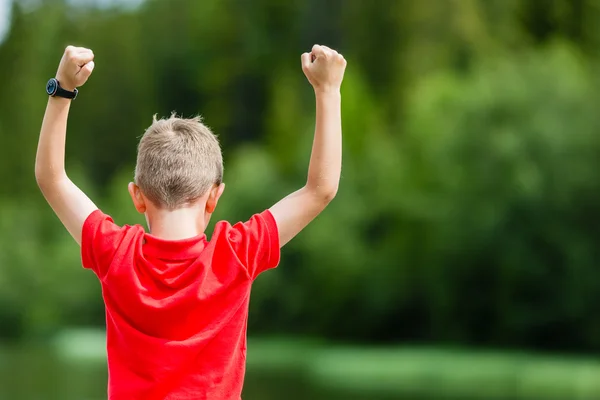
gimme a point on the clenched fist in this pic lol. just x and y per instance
(324, 68)
(75, 67)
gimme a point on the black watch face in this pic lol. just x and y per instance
(52, 87)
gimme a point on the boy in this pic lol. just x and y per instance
(177, 303)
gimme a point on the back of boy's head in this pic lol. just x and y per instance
(178, 161)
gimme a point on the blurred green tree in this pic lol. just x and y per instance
(470, 186)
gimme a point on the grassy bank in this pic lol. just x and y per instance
(402, 372)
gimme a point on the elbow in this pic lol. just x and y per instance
(42, 182)
(44, 179)
(328, 195)
(41, 177)
(324, 194)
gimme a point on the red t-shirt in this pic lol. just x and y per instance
(176, 311)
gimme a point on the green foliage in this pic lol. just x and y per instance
(322, 370)
(469, 193)
(507, 158)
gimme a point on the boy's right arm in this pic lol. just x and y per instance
(69, 203)
(324, 69)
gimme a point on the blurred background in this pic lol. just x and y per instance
(460, 257)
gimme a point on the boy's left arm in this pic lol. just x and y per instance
(69, 203)
(324, 69)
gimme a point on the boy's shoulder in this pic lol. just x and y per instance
(253, 243)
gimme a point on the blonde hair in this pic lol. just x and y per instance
(178, 161)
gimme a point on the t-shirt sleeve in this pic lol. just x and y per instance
(256, 243)
(100, 240)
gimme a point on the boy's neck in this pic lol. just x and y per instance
(183, 223)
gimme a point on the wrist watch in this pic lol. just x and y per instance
(53, 89)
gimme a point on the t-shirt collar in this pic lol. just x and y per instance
(173, 249)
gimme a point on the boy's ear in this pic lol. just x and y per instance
(136, 196)
(213, 198)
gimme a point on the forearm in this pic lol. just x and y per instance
(50, 158)
(326, 159)
(69, 203)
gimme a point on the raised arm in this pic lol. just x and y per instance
(69, 203)
(324, 69)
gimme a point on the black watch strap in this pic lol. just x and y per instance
(60, 92)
